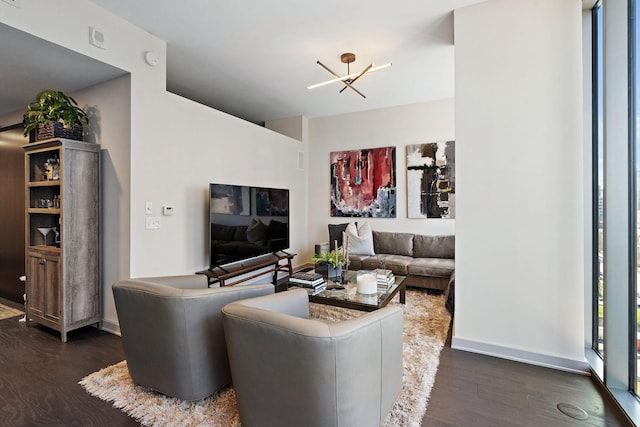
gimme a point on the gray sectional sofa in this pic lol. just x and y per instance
(426, 261)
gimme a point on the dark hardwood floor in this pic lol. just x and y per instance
(39, 385)
(476, 390)
(39, 376)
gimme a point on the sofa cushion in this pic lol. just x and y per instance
(397, 263)
(434, 267)
(434, 246)
(385, 242)
(360, 239)
(355, 261)
(335, 234)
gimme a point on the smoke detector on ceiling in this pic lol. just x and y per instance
(151, 58)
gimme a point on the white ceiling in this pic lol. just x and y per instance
(255, 59)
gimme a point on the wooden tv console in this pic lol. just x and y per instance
(273, 263)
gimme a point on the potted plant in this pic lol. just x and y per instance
(333, 260)
(54, 114)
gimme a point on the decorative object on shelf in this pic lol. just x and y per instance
(45, 203)
(57, 236)
(51, 169)
(349, 79)
(45, 232)
(363, 183)
(367, 282)
(431, 180)
(54, 115)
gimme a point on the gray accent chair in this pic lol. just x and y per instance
(173, 336)
(289, 370)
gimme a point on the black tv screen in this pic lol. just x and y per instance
(246, 222)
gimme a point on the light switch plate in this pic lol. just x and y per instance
(152, 223)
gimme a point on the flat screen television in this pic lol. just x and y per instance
(246, 222)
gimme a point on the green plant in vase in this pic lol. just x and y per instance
(58, 111)
(333, 259)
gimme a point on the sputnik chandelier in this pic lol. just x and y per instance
(350, 78)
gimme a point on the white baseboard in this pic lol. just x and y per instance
(111, 327)
(554, 362)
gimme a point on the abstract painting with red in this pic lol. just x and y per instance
(363, 183)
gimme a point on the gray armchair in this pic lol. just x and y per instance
(173, 337)
(289, 370)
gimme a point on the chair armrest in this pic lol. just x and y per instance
(294, 302)
(188, 281)
(350, 326)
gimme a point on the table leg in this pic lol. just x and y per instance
(402, 294)
(276, 267)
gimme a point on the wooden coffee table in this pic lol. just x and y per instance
(350, 298)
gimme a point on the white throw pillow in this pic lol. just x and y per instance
(360, 240)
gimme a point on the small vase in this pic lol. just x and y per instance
(334, 271)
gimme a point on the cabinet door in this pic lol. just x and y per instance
(35, 283)
(43, 285)
(52, 286)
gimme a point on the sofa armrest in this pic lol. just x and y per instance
(450, 293)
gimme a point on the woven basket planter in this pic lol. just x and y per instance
(57, 130)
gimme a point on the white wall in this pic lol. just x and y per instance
(520, 235)
(175, 148)
(399, 127)
(175, 166)
(294, 127)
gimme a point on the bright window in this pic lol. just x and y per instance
(598, 186)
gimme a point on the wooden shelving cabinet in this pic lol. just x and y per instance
(63, 266)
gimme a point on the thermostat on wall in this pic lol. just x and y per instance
(96, 38)
(167, 210)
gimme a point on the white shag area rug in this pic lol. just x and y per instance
(426, 323)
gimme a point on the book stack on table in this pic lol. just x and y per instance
(314, 283)
(385, 278)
